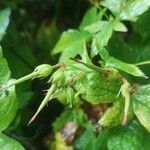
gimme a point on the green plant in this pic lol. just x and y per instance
(98, 71)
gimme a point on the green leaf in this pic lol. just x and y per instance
(87, 141)
(71, 43)
(4, 71)
(71, 40)
(119, 26)
(133, 51)
(127, 10)
(101, 39)
(89, 18)
(141, 103)
(7, 143)
(4, 21)
(97, 26)
(126, 67)
(132, 137)
(19, 51)
(102, 139)
(71, 53)
(76, 115)
(9, 106)
(100, 25)
(104, 35)
(116, 63)
(8, 101)
(114, 115)
(99, 89)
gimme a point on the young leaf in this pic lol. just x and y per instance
(7, 143)
(141, 105)
(4, 21)
(132, 137)
(127, 10)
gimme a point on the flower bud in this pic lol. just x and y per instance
(43, 70)
(58, 77)
(40, 71)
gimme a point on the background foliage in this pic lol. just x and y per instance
(115, 34)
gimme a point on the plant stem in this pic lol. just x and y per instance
(25, 78)
(89, 66)
(142, 63)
